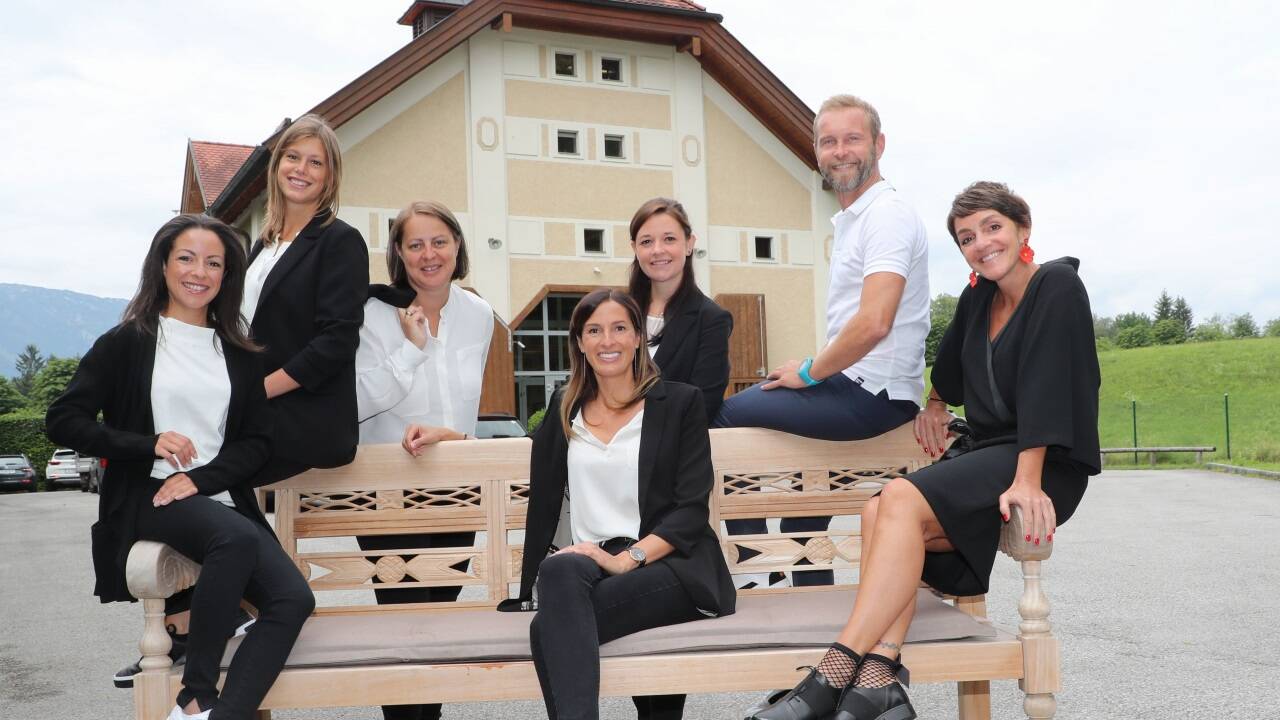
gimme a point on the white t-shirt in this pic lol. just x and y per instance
(190, 393)
(439, 385)
(879, 232)
(256, 276)
(604, 482)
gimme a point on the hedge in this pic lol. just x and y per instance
(23, 432)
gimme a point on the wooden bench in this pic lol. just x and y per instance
(482, 486)
(1151, 452)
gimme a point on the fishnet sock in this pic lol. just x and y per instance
(839, 665)
(877, 671)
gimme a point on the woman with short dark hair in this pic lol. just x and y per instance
(643, 554)
(185, 427)
(1019, 356)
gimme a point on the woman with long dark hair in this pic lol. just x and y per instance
(304, 300)
(1019, 355)
(688, 332)
(185, 427)
(643, 552)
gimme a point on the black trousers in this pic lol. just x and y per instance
(239, 558)
(581, 607)
(395, 596)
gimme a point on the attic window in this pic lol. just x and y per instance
(567, 64)
(611, 69)
(567, 142)
(764, 248)
(615, 147)
(593, 240)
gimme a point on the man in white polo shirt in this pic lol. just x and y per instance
(869, 377)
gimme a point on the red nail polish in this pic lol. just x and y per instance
(1028, 538)
(1050, 538)
(1006, 518)
(1037, 541)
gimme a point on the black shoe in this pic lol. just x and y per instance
(813, 699)
(886, 703)
(769, 700)
(177, 653)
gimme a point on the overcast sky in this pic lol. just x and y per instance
(1146, 136)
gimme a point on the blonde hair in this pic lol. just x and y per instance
(838, 102)
(582, 386)
(307, 126)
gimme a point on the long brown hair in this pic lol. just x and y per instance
(639, 285)
(582, 386)
(223, 311)
(307, 126)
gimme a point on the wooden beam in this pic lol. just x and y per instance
(502, 22)
(692, 45)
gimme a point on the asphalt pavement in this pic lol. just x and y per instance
(1165, 590)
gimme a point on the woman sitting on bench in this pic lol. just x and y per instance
(186, 426)
(1019, 355)
(632, 455)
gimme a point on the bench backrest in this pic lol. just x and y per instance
(482, 487)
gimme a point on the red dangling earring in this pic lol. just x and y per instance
(1026, 254)
(973, 279)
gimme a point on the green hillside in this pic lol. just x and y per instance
(1179, 389)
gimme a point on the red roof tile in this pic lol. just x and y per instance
(675, 4)
(216, 163)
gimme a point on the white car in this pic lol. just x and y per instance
(63, 470)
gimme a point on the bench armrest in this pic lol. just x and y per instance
(156, 571)
(1013, 540)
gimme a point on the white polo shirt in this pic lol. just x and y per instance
(879, 232)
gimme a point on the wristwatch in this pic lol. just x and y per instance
(637, 553)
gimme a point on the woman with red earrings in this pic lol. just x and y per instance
(1019, 355)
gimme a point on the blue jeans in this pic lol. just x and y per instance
(836, 409)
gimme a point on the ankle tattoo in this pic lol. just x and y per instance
(895, 647)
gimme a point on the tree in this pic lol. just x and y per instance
(28, 365)
(52, 380)
(1273, 328)
(1168, 332)
(1164, 306)
(1131, 319)
(1244, 327)
(1104, 327)
(1182, 311)
(10, 398)
(1134, 336)
(941, 310)
(1213, 328)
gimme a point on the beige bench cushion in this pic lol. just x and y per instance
(796, 619)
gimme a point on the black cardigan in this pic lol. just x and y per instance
(695, 348)
(308, 318)
(675, 479)
(114, 378)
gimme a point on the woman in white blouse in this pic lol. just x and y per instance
(419, 369)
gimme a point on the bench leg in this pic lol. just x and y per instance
(975, 700)
(151, 698)
(1041, 674)
(263, 715)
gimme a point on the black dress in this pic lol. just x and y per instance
(1034, 385)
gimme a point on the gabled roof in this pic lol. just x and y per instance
(215, 164)
(681, 23)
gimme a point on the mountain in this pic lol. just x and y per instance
(59, 322)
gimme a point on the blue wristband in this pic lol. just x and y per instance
(803, 372)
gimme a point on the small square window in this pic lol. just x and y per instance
(764, 247)
(567, 142)
(566, 64)
(593, 240)
(615, 147)
(611, 69)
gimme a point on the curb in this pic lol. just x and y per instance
(1239, 470)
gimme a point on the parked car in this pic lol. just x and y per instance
(63, 470)
(16, 473)
(499, 425)
(91, 473)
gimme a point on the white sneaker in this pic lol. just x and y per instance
(177, 714)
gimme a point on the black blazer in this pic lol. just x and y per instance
(114, 378)
(676, 479)
(695, 348)
(308, 319)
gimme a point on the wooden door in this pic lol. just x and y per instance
(498, 393)
(748, 358)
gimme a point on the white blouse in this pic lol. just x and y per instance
(439, 385)
(256, 276)
(604, 482)
(190, 393)
(654, 325)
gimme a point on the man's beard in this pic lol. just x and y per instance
(864, 173)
